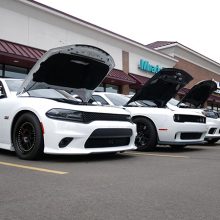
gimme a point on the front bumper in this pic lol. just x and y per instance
(183, 133)
(213, 132)
(80, 133)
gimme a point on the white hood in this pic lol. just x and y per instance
(75, 68)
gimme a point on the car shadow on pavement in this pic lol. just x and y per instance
(86, 158)
(217, 144)
(168, 149)
(72, 158)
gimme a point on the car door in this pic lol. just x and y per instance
(6, 106)
(2, 98)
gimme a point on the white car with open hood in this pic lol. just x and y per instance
(194, 101)
(157, 124)
(43, 118)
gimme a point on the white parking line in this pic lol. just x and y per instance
(155, 155)
(32, 168)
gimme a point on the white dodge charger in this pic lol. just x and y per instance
(37, 116)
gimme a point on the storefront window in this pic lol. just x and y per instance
(15, 72)
(1, 70)
(100, 88)
(132, 91)
(111, 88)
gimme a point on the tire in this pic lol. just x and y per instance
(212, 141)
(146, 138)
(27, 137)
(177, 147)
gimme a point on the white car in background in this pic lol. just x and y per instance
(157, 124)
(42, 118)
(194, 101)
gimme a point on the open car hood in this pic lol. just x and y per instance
(199, 93)
(76, 68)
(162, 86)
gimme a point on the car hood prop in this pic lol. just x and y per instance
(77, 69)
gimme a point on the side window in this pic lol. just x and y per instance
(2, 91)
(100, 99)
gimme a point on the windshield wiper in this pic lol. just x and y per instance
(69, 101)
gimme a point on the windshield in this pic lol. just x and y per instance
(175, 102)
(147, 103)
(120, 100)
(51, 94)
(13, 85)
(117, 99)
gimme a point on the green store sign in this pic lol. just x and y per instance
(144, 65)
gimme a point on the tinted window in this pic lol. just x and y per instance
(1, 70)
(15, 72)
(111, 88)
(100, 88)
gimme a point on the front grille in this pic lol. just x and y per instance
(108, 137)
(93, 116)
(189, 118)
(190, 135)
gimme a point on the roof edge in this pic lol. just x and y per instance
(189, 50)
(92, 26)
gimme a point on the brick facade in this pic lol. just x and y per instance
(198, 73)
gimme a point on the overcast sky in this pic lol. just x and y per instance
(193, 23)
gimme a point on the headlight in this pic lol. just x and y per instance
(176, 118)
(189, 118)
(65, 114)
(210, 114)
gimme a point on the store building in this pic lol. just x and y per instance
(28, 29)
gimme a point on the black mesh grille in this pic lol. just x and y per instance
(93, 116)
(106, 137)
(106, 142)
(190, 136)
(189, 118)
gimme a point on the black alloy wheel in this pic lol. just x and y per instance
(146, 138)
(27, 137)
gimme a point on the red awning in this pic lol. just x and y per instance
(140, 80)
(11, 53)
(7, 47)
(119, 77)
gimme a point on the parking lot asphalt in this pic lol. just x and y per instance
(160, 184)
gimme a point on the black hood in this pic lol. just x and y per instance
(199, 93)
(162, 86)
(75, 68)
